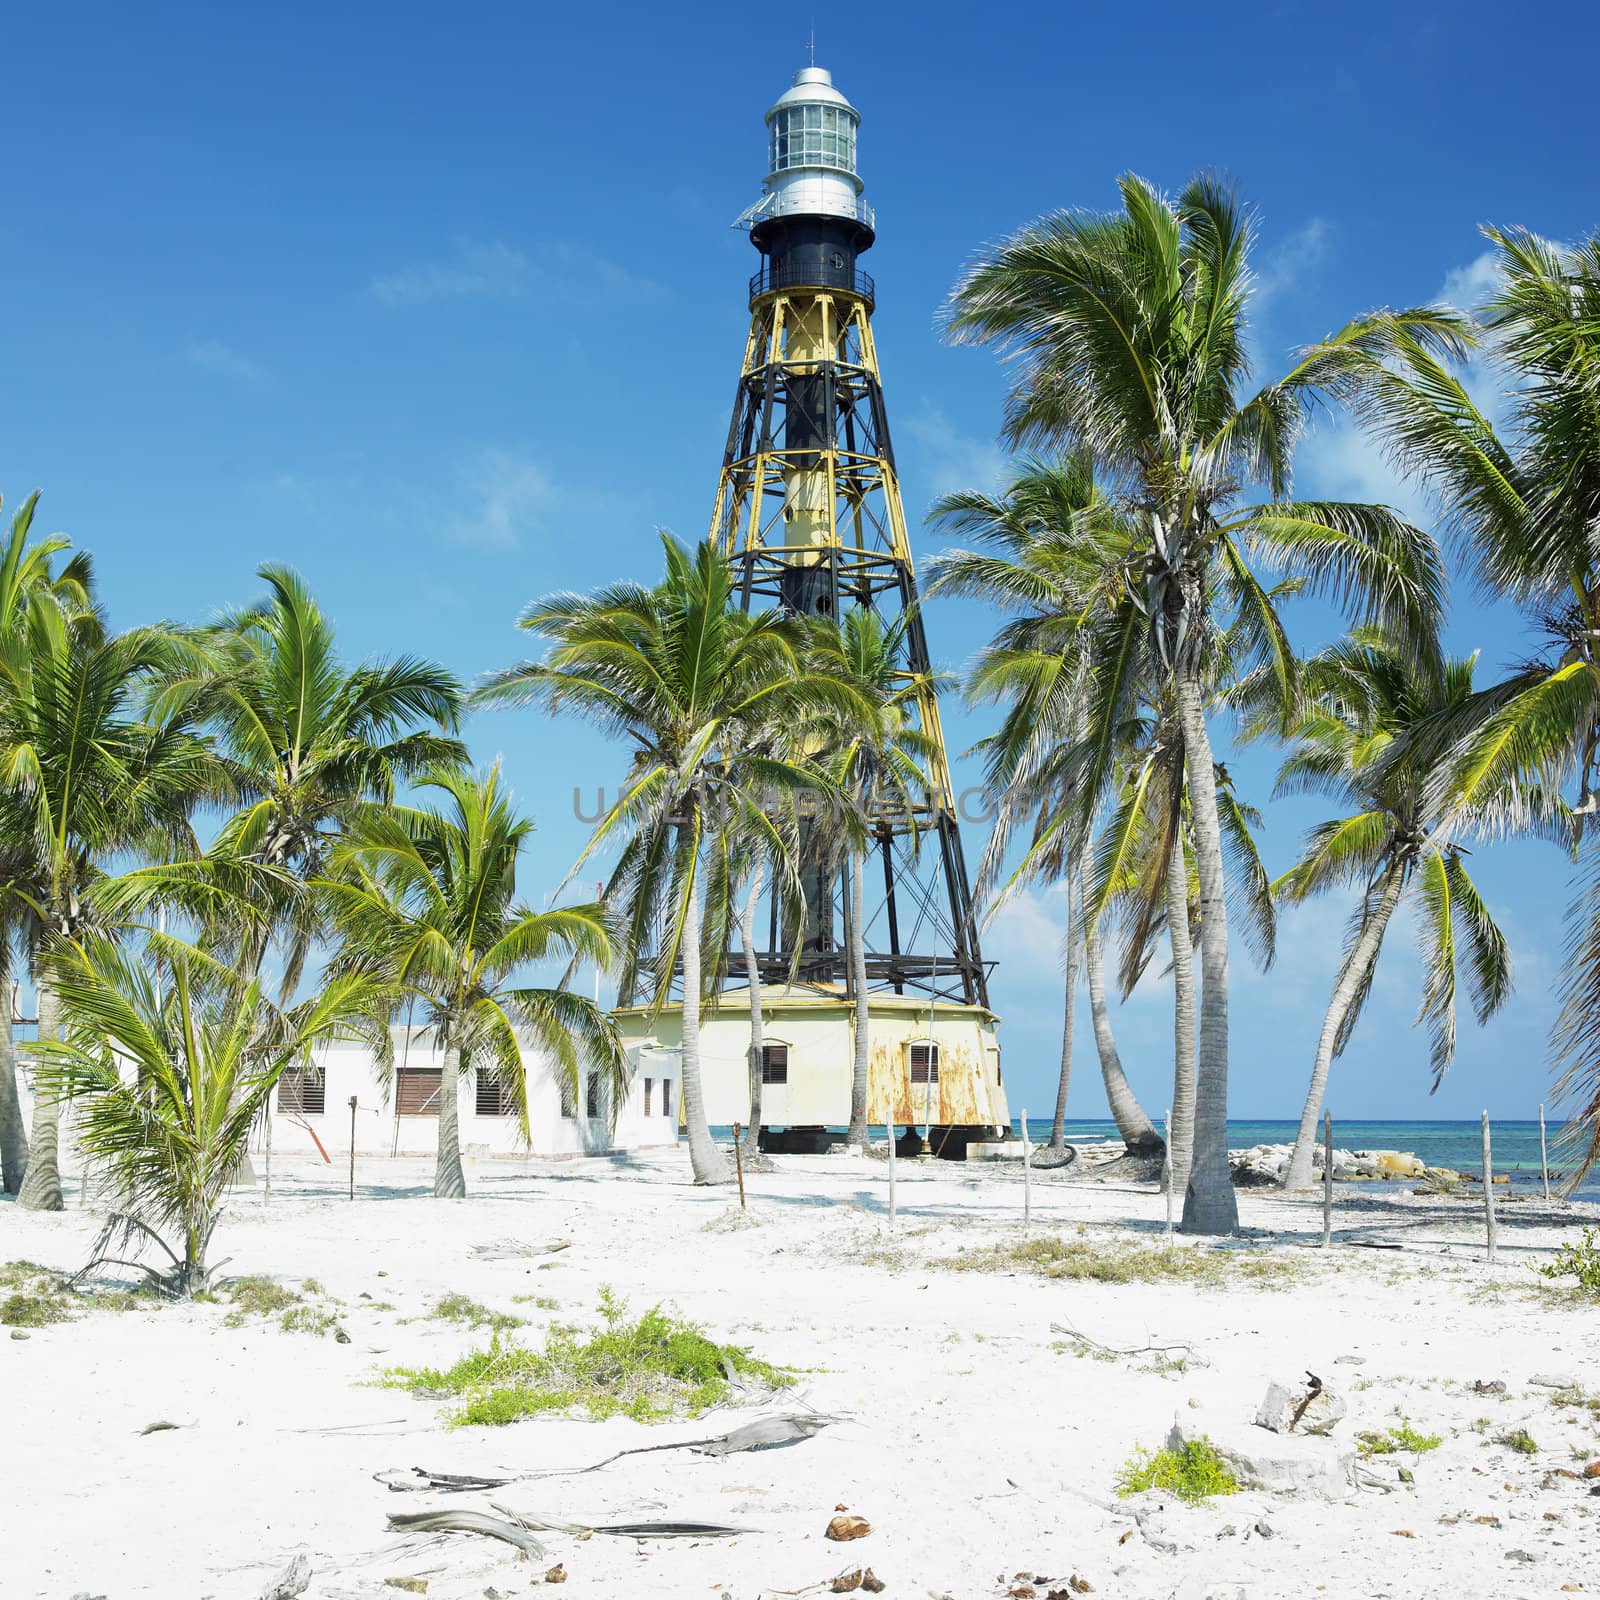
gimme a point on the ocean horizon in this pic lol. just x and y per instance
(1438, 1142)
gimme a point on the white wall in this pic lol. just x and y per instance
(349, 1070)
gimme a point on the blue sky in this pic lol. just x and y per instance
(442, 307)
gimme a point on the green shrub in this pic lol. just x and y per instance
(1520, 1440)
(1193, 1472)
(648, 1368)
(1580, 1261)
(21, 1310)
(1386, 1441)
(458, 1308)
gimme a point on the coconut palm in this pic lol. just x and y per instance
(425, 899)
(1523, 503)
(695, 684)
(1129, 333)
(38, 605)
(170, 1056)
(310, 742)
(877, 755)
(1365, 702)
(83, 779)
(1046, 542)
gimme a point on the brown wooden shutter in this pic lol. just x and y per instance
(649, 1087)
(304, 1091)
(494, 1097)
(774, 1063)
(416, 1091)
(924, 1063)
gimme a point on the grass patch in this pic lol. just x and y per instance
(1580, 1261)
(1390, 1441)
(263, 1297)
(1193, 1472)
(649, 1368)
(39, 1296)
(1051, 1256)
(1520, 1440)
(542, 1302)
(459, 1308)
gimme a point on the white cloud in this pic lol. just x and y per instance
(497, 270)
(1466, 288)
(950, 458)
(1294, 258)
(214, 356)
(502, 497)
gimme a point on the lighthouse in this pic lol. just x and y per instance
(809, 512)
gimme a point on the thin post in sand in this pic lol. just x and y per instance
(738, 1162)
(1544, 1155)
(1327, 1180)
(1488, 1189)
(1166, 1170)
(889, 1128)
(1027, 1173)
(352, 1147)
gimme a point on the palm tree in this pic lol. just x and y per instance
(1046, 542)
(170, 1057)
(1523, 506)
(311, 744)
(877, 755)
(696, 685)
(38, 605)
(425, 899)
(82, 780)
(1366, 701)
(1130, 336)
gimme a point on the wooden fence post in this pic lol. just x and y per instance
(1327, 1180)
(1488, 1188)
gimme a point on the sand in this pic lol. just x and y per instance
(978, 1444)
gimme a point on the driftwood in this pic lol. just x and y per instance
(1108, 1350)
(466, 1522)
(765, 1433)
(516, 1249)
(624, 1530)
(413, 1479)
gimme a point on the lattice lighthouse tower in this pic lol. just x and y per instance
(808, 508)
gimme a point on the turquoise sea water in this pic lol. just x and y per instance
(1457, 1145)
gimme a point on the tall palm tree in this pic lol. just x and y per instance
(1523, 503)
(1046, 543)
(171, 1056)
(877, 755)
(84, 778)
(425, 899)
(1129, 333)
(39, 604)
(1365, 702)
(694, 683)
(311, 744)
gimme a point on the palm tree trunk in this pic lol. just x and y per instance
(1297, 1175)
(1180, 1136)
(13, 1135)
(707, 1160)
(1069, 960)
(1209, 1203)
(449, 1181)
(752, 973)
(41, 1188)
(1138, 1132)
(857, 1134)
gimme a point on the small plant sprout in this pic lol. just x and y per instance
(1193, 1471)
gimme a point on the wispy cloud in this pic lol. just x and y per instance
(212, 355)
(951, 458)
(1293, 259)
(502, 498)
(496, 270)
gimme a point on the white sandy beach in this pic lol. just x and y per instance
(981, 1449)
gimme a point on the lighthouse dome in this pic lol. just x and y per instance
(811, 152)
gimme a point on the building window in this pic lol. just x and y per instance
(416, 1091)
(494, 1096)
(303, 1090)
(666, 1097)
(591, 1095)
(813, 136)
(774, 1063)
(569, 1101)
(649, 1089)
(924, 1063)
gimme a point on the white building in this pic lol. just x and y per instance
(402, 1116)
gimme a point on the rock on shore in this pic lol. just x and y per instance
(1264, 1164)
